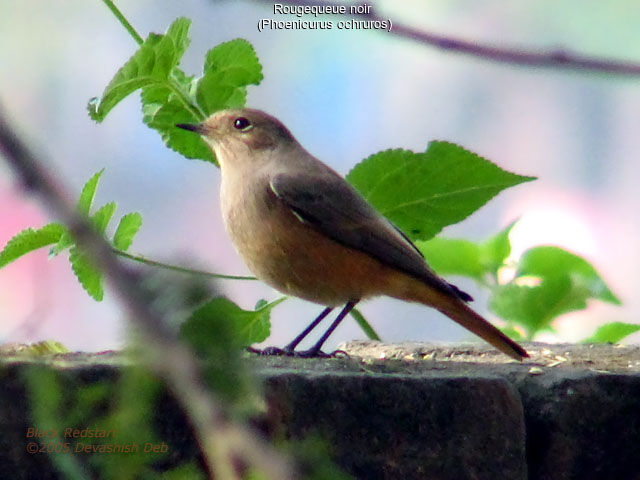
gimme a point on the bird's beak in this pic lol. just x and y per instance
(192, 127)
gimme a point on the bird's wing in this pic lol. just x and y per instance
(330, 205)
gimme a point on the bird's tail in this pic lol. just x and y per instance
(461, 313)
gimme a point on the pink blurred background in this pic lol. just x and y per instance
(345, 95)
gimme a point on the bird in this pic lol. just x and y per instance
(304, 230)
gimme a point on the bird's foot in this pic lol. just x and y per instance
(287, 352)
(270, 351)
(316, 353)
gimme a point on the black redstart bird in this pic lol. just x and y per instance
(302, 229)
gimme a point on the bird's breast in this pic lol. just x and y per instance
(292, 256)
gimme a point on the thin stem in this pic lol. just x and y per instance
(366, 327)
(125, 23)
(171, 83)
(176, 268)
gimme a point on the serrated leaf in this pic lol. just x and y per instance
(448, 256)
(178, 32)
(229, 68)
(103, 216)
(553, 262)
(424, 192)
(250, 326)
(162, 109)
(613, 332)
(151, 64)
(565, 283)
(534, 307)
(127, 229)
(66, 241)
(217, 331)
(88, 193)
(496, 250)
(29, 240)
(87, 273)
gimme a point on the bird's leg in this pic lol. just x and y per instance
(290, 347)
(315, 350)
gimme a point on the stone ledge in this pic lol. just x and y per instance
(418, 410)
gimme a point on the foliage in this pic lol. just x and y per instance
(424, 192)
(169, 96)
(547, 281)
(61, 238)
(123, 406)
(420, 192)
(612, 332)
(217, 331)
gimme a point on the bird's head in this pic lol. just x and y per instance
(238, 134)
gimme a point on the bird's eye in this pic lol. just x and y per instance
(243, 124)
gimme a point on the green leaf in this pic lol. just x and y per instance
(612, 332)
(533, 308)
(249, 326)
(88, 275)
(65, 241)
(217, 331)
(85, 202)
(127, 229)
(162, 109)
(364, 325)
(562, 282)
(229, 68)
(178, 33)
(550, 262)
(496, 250)
(151, 64)
(103, 216)
(424, 192)
(462, 257)
(29, 240)
(88, 193)
(449, 256)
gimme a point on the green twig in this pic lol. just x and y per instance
(125, 23)
(364, 325)
(177, 268)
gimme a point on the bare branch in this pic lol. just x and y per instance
(219, 437)
(557, 58)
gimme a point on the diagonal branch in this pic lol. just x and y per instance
(557, 58)
(220, 438)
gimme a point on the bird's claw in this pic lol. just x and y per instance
(286, 352)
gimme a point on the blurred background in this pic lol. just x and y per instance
(344, 95)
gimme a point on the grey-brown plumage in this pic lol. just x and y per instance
(303, 229)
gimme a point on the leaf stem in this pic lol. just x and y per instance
(273, 303)
(193, 108)
(176, 268)
(125, 23)
(364, 325)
